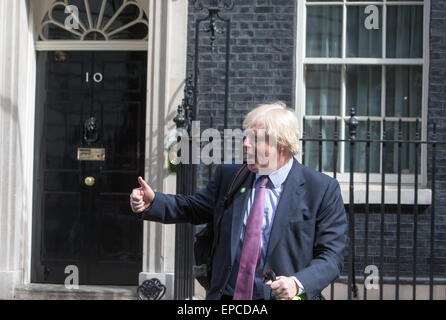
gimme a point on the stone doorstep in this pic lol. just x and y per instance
(59, 292)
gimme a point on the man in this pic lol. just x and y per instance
(285, 217)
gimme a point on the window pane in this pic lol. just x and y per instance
(404, 32)
(323, 89)
(313, 151)
(54, 32)
(363, 90)
(403, 93)
(324, 31)
(407, 154)
(364, 31)
(361, 154)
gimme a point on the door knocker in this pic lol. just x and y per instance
(91, 130)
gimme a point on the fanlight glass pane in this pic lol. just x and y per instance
(135, 32)
(54, 32)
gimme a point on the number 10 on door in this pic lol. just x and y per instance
(97, 77)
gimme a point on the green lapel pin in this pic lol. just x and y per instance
(242, 190)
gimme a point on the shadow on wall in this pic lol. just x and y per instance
(13, 144)
(164, 140)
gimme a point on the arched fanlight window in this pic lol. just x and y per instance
(94, 20)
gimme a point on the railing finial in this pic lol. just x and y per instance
(352, 124)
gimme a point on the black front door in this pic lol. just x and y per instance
(89, 151)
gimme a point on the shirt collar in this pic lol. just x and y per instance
(278, 177)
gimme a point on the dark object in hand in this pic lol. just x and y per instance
(270, 275)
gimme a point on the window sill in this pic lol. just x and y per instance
(390, 197)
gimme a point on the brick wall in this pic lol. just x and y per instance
(436, 113)
(387, 262)
(262, 60)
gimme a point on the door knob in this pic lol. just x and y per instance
(89, 181)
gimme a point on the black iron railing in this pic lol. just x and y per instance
(383, 248)
(184, 233)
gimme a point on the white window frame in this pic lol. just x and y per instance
(302, 60)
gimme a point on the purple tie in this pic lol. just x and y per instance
(250, 256)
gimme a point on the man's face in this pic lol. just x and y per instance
(261, 151)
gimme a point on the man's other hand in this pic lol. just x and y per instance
(284, 288)
(141, 198)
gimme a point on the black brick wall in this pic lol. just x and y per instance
(262, 62)
(436, 114)
(388, 261)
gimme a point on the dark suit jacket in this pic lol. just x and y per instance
(308, 235)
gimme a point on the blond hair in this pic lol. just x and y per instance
(278, 121)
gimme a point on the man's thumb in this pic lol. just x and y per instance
(142, 183)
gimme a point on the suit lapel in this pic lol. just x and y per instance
(288, 208)
(238, 209)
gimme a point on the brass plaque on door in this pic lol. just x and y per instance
(91, 154)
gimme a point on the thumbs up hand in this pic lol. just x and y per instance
(141, 198)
